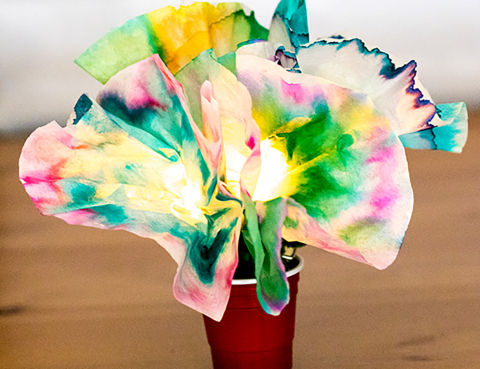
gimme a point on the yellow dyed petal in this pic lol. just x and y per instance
(178, 35)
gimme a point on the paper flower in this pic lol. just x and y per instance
(210, 128)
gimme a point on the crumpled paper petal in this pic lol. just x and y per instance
(351, 64)
(96, 172)
(394, 90)
(147, 101)
(241, 139)
(177, 34)
(241, 135)
(290, 24)
(418, 122)
(331, 152)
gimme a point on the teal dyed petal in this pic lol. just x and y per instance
(99, 172)
(449, 137)
(149, 104)
(290, 24)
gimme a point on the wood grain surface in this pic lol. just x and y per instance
(82, 298)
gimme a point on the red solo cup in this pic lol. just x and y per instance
(249, 338)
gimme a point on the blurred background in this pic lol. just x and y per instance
(40, 39)
(74, 297)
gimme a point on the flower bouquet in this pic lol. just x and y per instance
(232, 145)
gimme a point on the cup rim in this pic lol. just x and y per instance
(296, 270)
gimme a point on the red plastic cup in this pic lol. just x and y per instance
(249, 338)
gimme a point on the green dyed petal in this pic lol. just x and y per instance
(331, 152)
(265, 238)
(121, 47)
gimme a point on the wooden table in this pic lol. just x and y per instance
(81, 298)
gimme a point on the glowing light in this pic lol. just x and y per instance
(272, 172)
(187, 208)
(234, 164)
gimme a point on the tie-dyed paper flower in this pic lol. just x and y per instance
(211, 128)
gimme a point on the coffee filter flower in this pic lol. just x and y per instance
(210, 129)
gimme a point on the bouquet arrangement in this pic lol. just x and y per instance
(219, 138)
